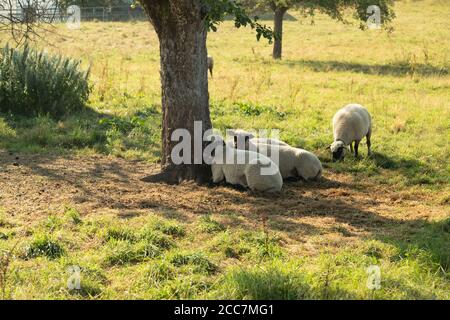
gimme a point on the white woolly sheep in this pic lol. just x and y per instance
(210, 65)
(350, 124)
(242, 135)
(227, 166)
(292, 162)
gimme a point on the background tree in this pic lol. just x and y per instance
(336, 9)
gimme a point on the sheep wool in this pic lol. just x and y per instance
(247, 169)
(350, 124)
(245, 136)
(210, 65)
(292, 162)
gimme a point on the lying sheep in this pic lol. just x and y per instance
(256, 171)
(210, 65)
(242, 135)
(350, 124)
(292, 162)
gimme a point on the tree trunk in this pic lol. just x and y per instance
(278, 31)
(184, 77)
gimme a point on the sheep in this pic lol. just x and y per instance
(210, 65)
(350, 124)
(292, 162)
(247, 173)
(238, 134)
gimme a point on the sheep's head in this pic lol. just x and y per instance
(214, 146)
(338, 150)
(241, 136)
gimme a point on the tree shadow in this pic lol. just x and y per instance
(400, 68)
(89, 129)
(415, 171)
(106, 182)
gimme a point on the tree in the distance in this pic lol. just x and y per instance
(336, 9)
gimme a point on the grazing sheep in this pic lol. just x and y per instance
(210, 65)
(350, 124)
(226, 166)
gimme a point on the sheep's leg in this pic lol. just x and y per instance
(369, 144)
(351, 147)
(243, 181)
(356, 148)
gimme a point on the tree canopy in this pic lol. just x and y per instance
(336, 9)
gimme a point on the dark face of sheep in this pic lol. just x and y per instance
(339, 154)
(237, 140)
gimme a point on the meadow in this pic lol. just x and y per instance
(71, 195)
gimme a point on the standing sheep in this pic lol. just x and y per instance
(226, 166)
(210, 65)
(350, 124)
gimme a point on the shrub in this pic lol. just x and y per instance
(34, 82)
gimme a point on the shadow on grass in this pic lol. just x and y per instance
(410, 171)
(114, 184)
(415, 171)
(104, 133)
(401, 68)
(272, 283)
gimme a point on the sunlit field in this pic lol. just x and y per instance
(71, 194)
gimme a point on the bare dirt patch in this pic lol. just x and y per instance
(334, 210)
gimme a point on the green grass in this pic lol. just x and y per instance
(402, 78)
(44, 245)
(413, 265)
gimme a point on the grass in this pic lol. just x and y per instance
(43, 245)
(162, 250)
(413, 268)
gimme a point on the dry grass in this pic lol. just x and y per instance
(75, 180)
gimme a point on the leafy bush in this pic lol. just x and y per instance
(34, 82)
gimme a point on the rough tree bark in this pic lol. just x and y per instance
(184, 77)
(278, 31)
